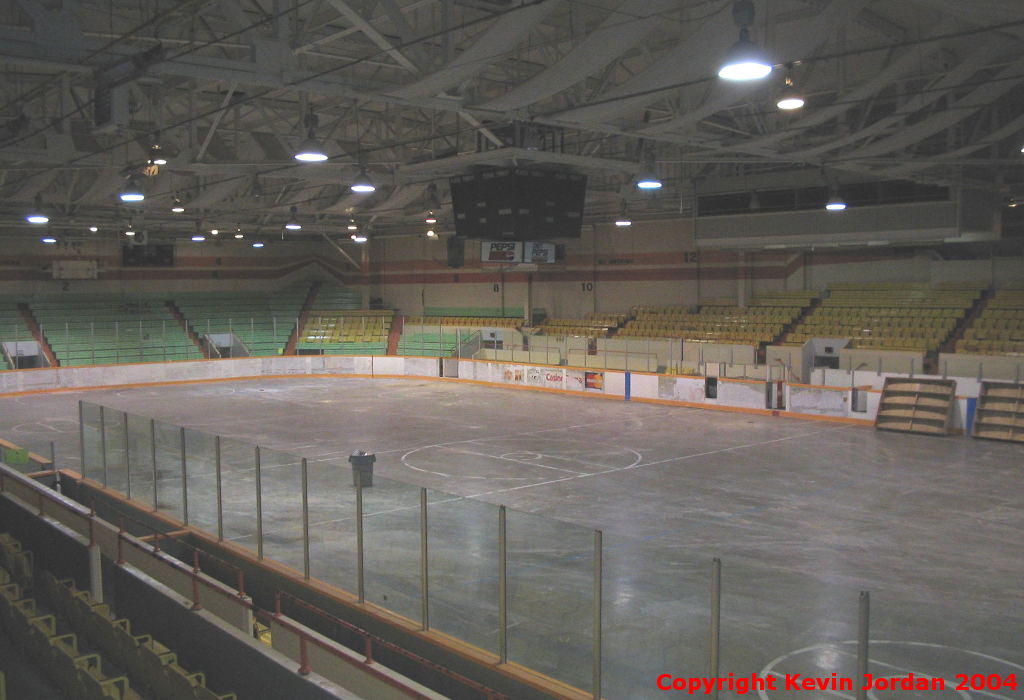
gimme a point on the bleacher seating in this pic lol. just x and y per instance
(12, 327)
(465, 321)
(78, 644)
(763, 320)
(337, 325)
(262, 321)
(999, 329)
(414, 344)
(107, 329)
(337, 332)
(894, 316)
(592, 325)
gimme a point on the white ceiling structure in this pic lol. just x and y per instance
(930, 91)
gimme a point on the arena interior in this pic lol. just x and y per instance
(511, 350)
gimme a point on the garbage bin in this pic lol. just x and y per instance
(362, 467)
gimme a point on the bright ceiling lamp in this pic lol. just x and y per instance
(130, 231)
(239, 235)
(49, 240)
(37, 215)
(745, 60)
(199, 238)
(94, 229)
(311, 150)
(431, 234)
(835, 202)
(359, 238)
(156, 155)
(790, 98)
(214, 232)
(648, 179)
(431, 219)
(352, 225)
(363, 183)
(293, 224)
(623, 219)
(132, 192)
(257, 244)
(177, 207)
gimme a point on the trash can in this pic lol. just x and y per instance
(362, 467)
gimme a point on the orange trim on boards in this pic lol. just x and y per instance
(374, 375)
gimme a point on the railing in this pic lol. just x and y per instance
(150, 545)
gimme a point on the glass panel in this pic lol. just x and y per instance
(168, 469)
(281, 475)
(140, 459)
(551, 597)
(463, 556)
(201, 479)
(391, 546)
(92, 448)
(238, 477)
(332, 524)
(655, 615)
(114, 440)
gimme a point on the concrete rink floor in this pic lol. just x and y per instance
(803, 514)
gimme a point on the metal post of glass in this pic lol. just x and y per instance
(184, 481)
(231, 337)
(220, 488)
(502, 589)
(862, 641)
(305, 518)
(164, 338)
(103, 446)
(716, 621)
(127, 460)
(273, 324)
(597, 612)
(424, 562)
(140, 340)
(259, 506)
(92, 340)
(67, 341)
(117, 341)
(152, 454)
(359, 536)
(81, 436)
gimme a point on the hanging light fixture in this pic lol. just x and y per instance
(177, 207)
(131, 192)
(156, 155)
(214, 232)
(745, 60)
(431, 219)
(431, 234)
(311, 150)
(292, 223)
(257, 244)
(648, 179)
(363, 183)
(352, 225)
(790, 98)
(130, 230)
(94, 229)
(239, 235)
(623, 219)
(198, 238)
(359, 238)
(49, 240)
(835, 202)
(37, 215)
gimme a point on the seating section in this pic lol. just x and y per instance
(81, 647)
(908, 317)
(428, 344)
(999, 329)
(262, 321)
(339, 332)
(108, 329)
(752, 325)
(591, 325)
(12, 328)
(465, 321)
